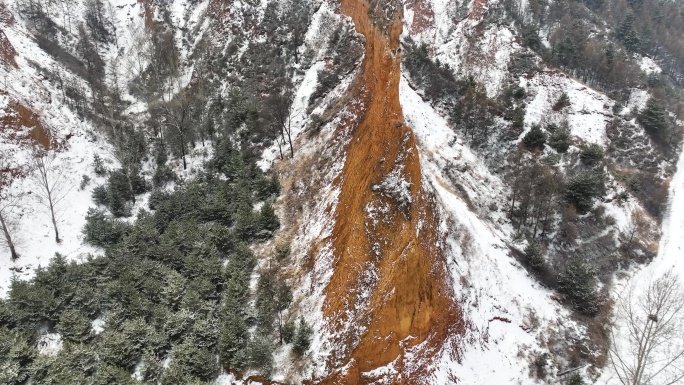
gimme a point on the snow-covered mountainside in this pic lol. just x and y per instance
(332, 192)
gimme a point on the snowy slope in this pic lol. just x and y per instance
(587, 115)
(671, 242)
(479, 237)
(511, 315)
(77, 139)
(78, 143)
(458, 37)
(669, 259)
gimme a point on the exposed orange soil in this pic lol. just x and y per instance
(389, 293)
(423, 15)
(149, 13)
(477, 9)
(6, 16)
(7, 51)
(219, 9)
(17, 116)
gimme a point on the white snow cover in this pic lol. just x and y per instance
(587, 115)
(486, 59)
(395, 186)
(669, 258)
(510, 313)
(98, 325)
(306, 84)
(315, 221)
(649, 66)
(298, 116)
(34, 235)
(49, 344)
(459, 40)
(637, 100)
(672, 243)
(80, 141)
(316, 225)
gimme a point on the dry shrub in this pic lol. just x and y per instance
(567, 229)
(651, 191)
(531, 321)
(464, 281)
(466, 243)
(599, 334)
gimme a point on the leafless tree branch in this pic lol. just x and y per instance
(53, 184)
(8, 201)
(648, 342)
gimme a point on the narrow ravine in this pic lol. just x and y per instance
(388, 302)
(669, 259)
(671, 241)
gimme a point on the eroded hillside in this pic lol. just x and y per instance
(323, 191)
(389, 297)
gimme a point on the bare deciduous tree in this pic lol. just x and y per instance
(7, 231)
(66, 9)
(53, 184)
(280, 106)
(7, 202)
(648, 342)
(636, 231)
(176, 116)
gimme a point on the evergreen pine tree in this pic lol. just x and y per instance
(560, 139)
(73, 326)
(233, 340)
(625, 33)
(562, 102)
(518, 118)
(98, 166)
(268, 220)
(288, 332)
(576, 380)
(194, 361)
(535, 138)
(578, 283)
(583, 189)
(16, 357)
(100, 196)
(302, 339)
(654, 119)
(591, 154)
(260, 355)
(110, 374)
(534, 255)
(116, 349)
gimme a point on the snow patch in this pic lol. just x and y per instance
(649, 66)
(396, 187)
(49, 344)
(637, 100)
(587, 115)
(97, 326)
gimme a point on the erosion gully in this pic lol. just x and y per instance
(389, 301)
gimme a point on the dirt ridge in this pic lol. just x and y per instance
(389, 299)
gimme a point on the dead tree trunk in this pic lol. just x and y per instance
(8, 236)
(52, 184)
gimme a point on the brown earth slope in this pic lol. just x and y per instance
(7, 51)
(388, 300)
(21, 124)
